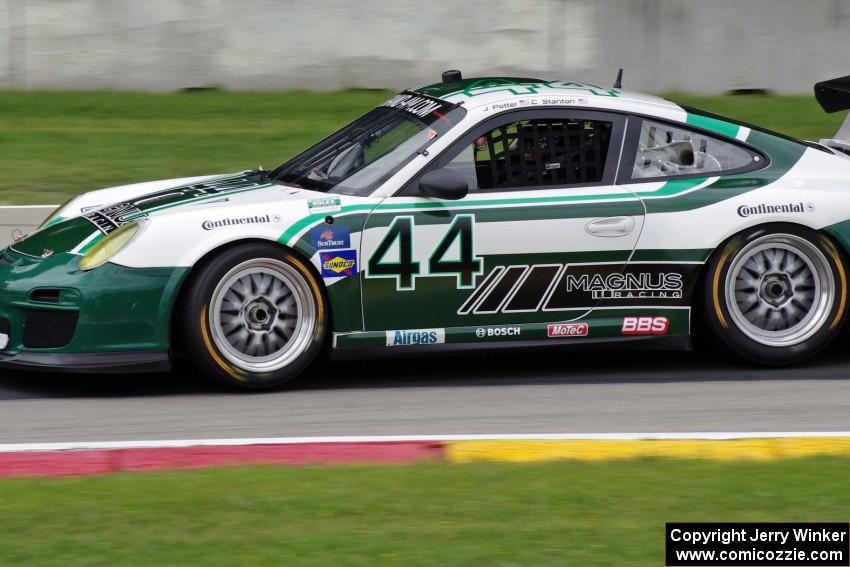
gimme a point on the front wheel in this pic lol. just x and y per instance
(776, 294)
(254, 316)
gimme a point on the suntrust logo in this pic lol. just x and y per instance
(762, 209)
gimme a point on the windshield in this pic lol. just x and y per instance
(362, 155)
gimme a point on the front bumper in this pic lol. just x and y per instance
(58, 317)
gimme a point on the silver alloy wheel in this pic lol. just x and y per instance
(780, 290)
(263, 315)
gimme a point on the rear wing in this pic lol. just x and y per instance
(833, 96)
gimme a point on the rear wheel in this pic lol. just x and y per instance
(776, 294)
(254, 317)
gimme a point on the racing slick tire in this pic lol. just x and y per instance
(253, 317)
(775, 294)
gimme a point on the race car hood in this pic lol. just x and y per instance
(72, 234)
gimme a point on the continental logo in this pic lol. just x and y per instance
(762, 209)
(416, 337)
(260, 219)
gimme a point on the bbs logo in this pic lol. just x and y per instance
(645, 326)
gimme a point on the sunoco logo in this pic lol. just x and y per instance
(626, 286)
(416, 337)
(762, 209)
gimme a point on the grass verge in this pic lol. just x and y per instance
(565, 513)
(58, 144)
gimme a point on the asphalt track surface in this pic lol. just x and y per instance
(518, 393)
(525, 393)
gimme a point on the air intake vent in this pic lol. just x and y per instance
(49, 329)
(45, 295)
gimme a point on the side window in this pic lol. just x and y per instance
(664, 150)
(537, 152)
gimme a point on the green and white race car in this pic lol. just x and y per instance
(468, 214)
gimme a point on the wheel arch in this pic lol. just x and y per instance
(208, 256)
(831, 242)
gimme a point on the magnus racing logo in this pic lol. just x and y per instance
(564, 287)
(416, 337)
(762, 209)
(627, 285)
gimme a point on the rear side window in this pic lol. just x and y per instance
(665, 151)
(536, 152)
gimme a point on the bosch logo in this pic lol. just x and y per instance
(559, 330)
(482, 332)
(645, 326)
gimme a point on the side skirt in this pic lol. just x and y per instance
(671, 343)
(654, 328)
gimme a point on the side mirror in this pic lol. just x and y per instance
(444, 184)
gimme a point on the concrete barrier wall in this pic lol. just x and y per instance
(665, 45)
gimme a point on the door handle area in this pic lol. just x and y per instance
(611, 226)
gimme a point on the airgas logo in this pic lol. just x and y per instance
(416, 337)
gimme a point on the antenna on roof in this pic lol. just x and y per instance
(618, 84)
(452, 76)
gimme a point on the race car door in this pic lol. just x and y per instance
(533, 241)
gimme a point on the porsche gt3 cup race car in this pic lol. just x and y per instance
(468, 214)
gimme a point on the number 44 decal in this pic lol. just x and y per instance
(399, 237)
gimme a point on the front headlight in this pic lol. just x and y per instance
(100, 253)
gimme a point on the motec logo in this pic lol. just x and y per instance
(645, 326)
(416, 337)
(565, 330)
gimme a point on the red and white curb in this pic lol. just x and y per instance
(92, 458)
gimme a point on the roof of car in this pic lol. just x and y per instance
(486, 90)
